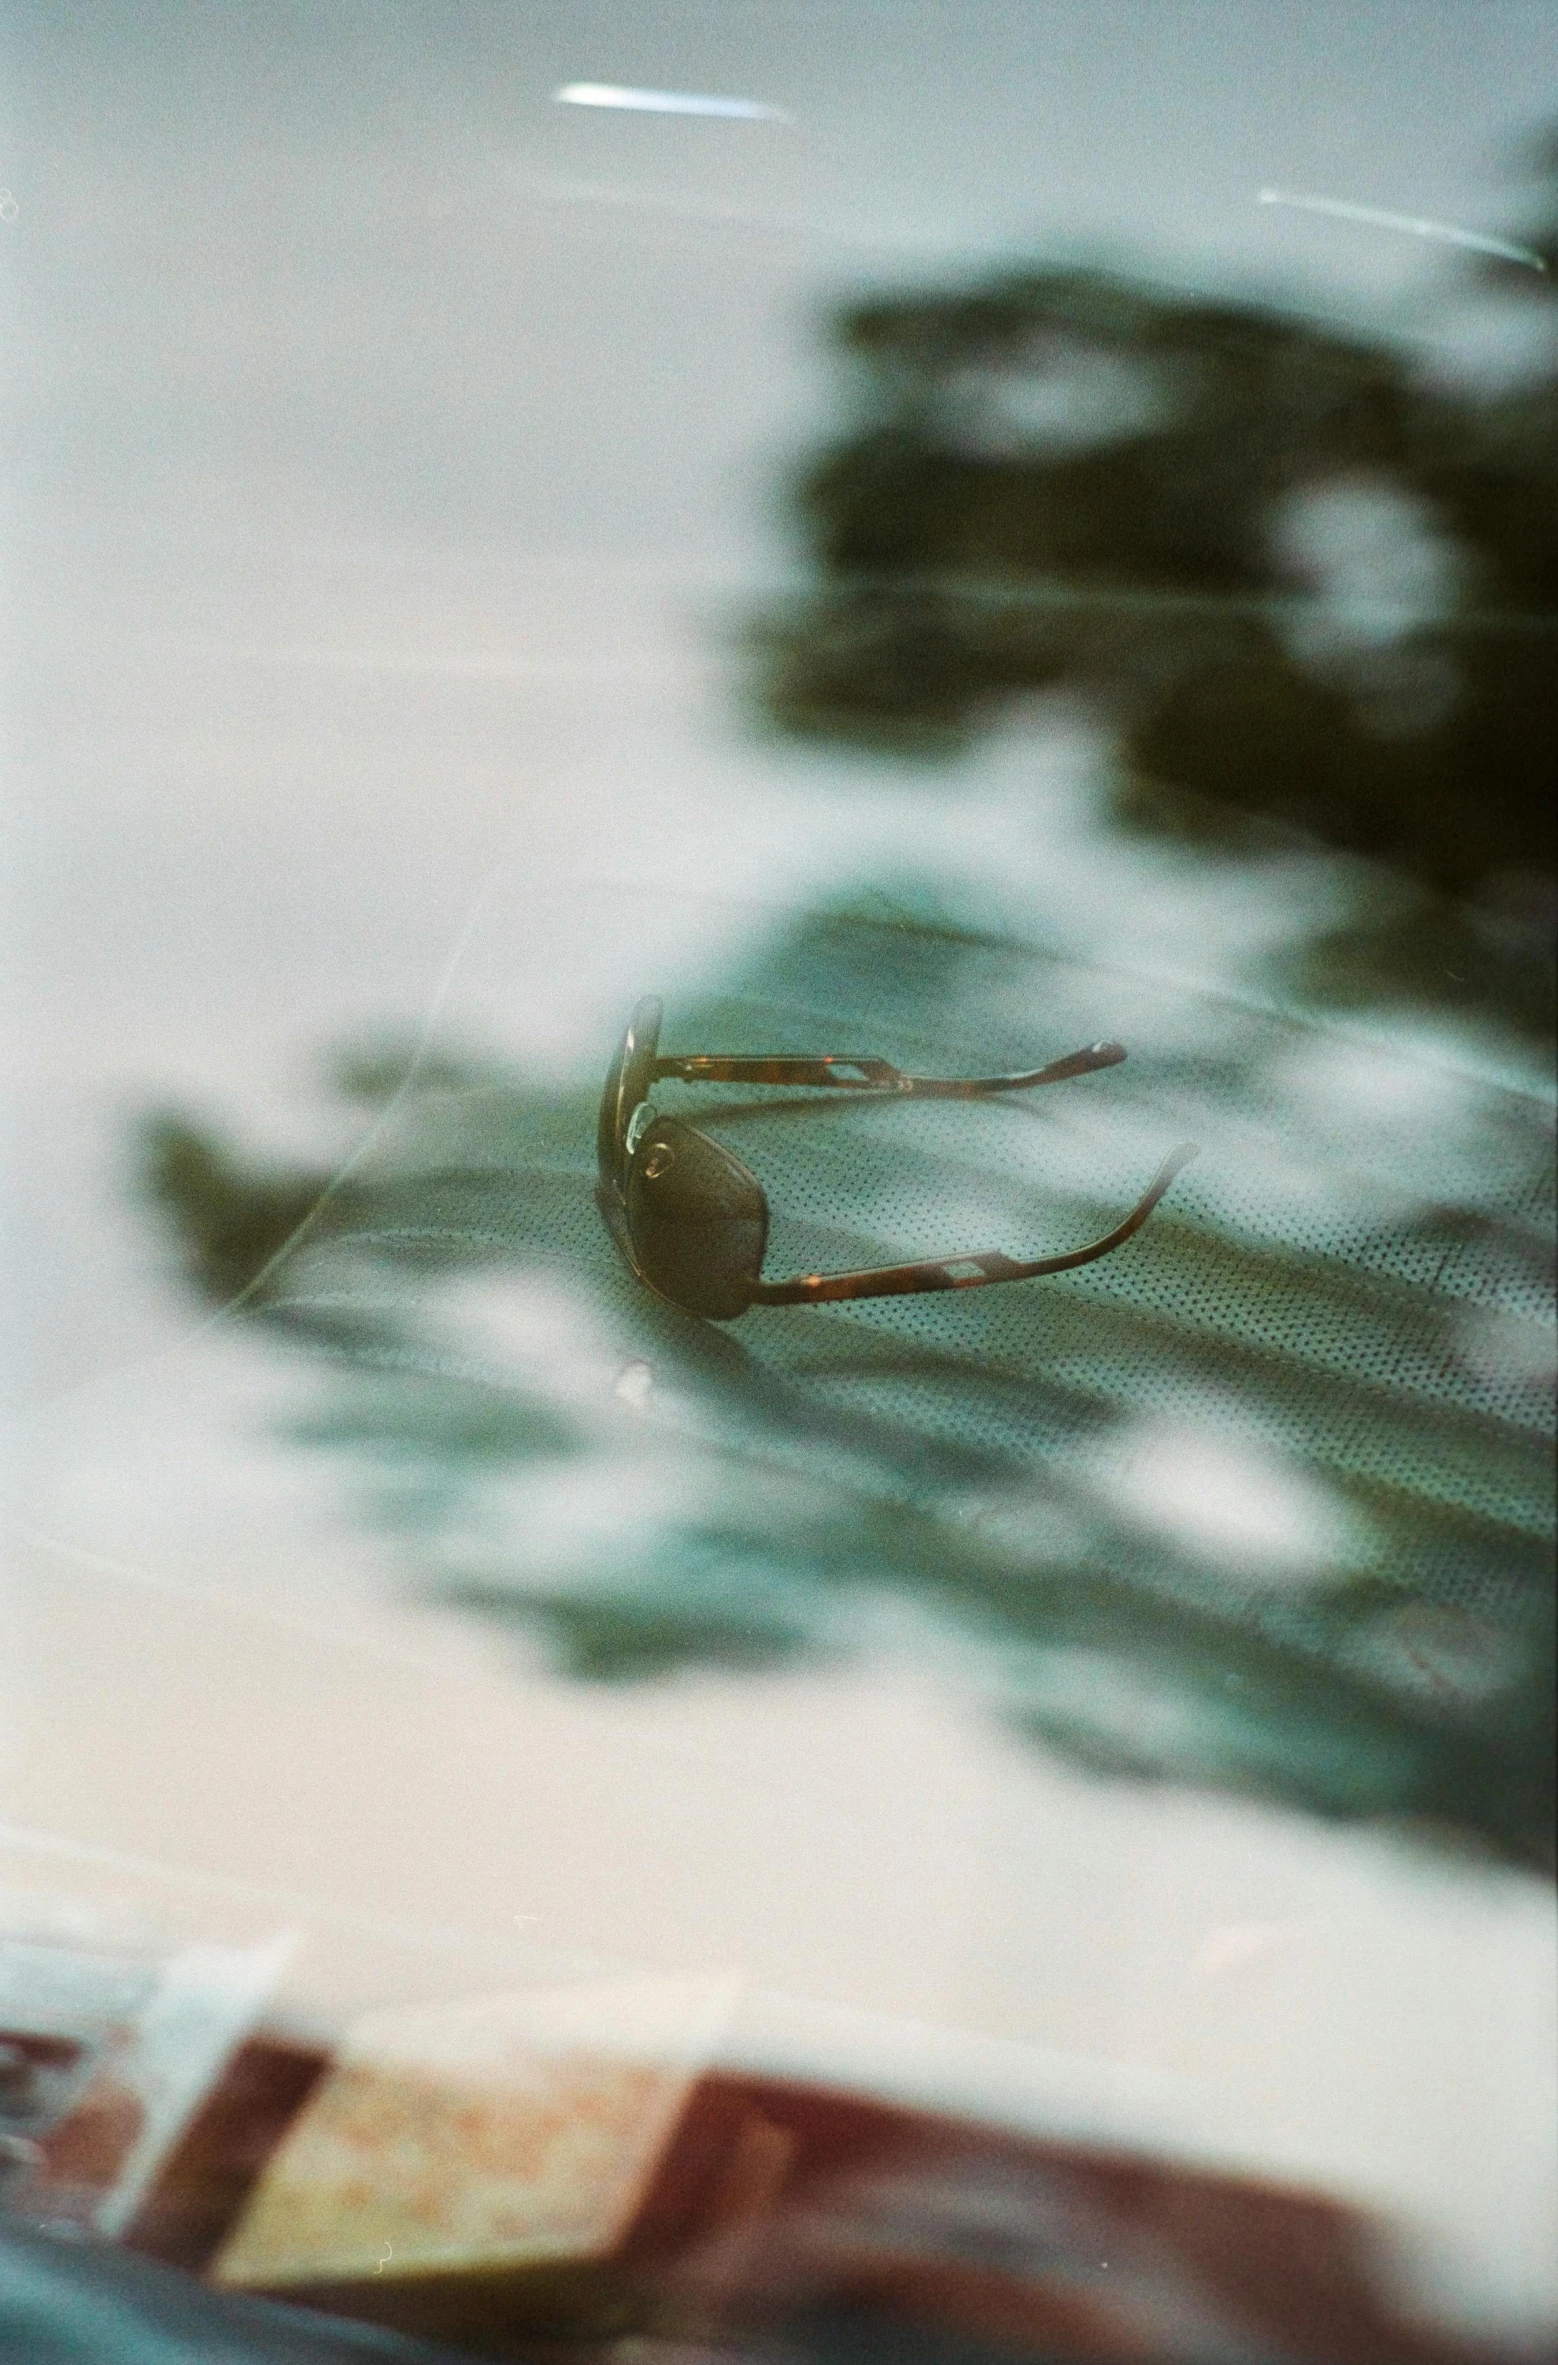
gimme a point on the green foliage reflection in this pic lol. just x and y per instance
(1264, 1501)
(1314, 589)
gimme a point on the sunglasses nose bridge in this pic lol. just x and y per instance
(625, 1090)
(638, 1124)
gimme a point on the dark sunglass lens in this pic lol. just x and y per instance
(627, 1083)
(698, 1220)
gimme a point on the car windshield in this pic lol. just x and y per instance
(922, 538)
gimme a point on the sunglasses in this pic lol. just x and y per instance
(692, 1221)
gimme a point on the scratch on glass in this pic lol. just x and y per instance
(1415, 225)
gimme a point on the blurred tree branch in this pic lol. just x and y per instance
(1311, 588)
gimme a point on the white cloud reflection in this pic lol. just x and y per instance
(1052, 395)
(1379, 571)
(1247, 1511)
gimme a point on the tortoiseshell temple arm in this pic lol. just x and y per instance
(967, 1272)
(848, 1074)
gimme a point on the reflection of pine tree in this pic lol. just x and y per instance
(1311, 588)
(1359, 1314)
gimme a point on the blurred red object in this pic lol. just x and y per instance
(773, 2202)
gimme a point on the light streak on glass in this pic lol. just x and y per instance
(1415, 225)
(666, 102)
